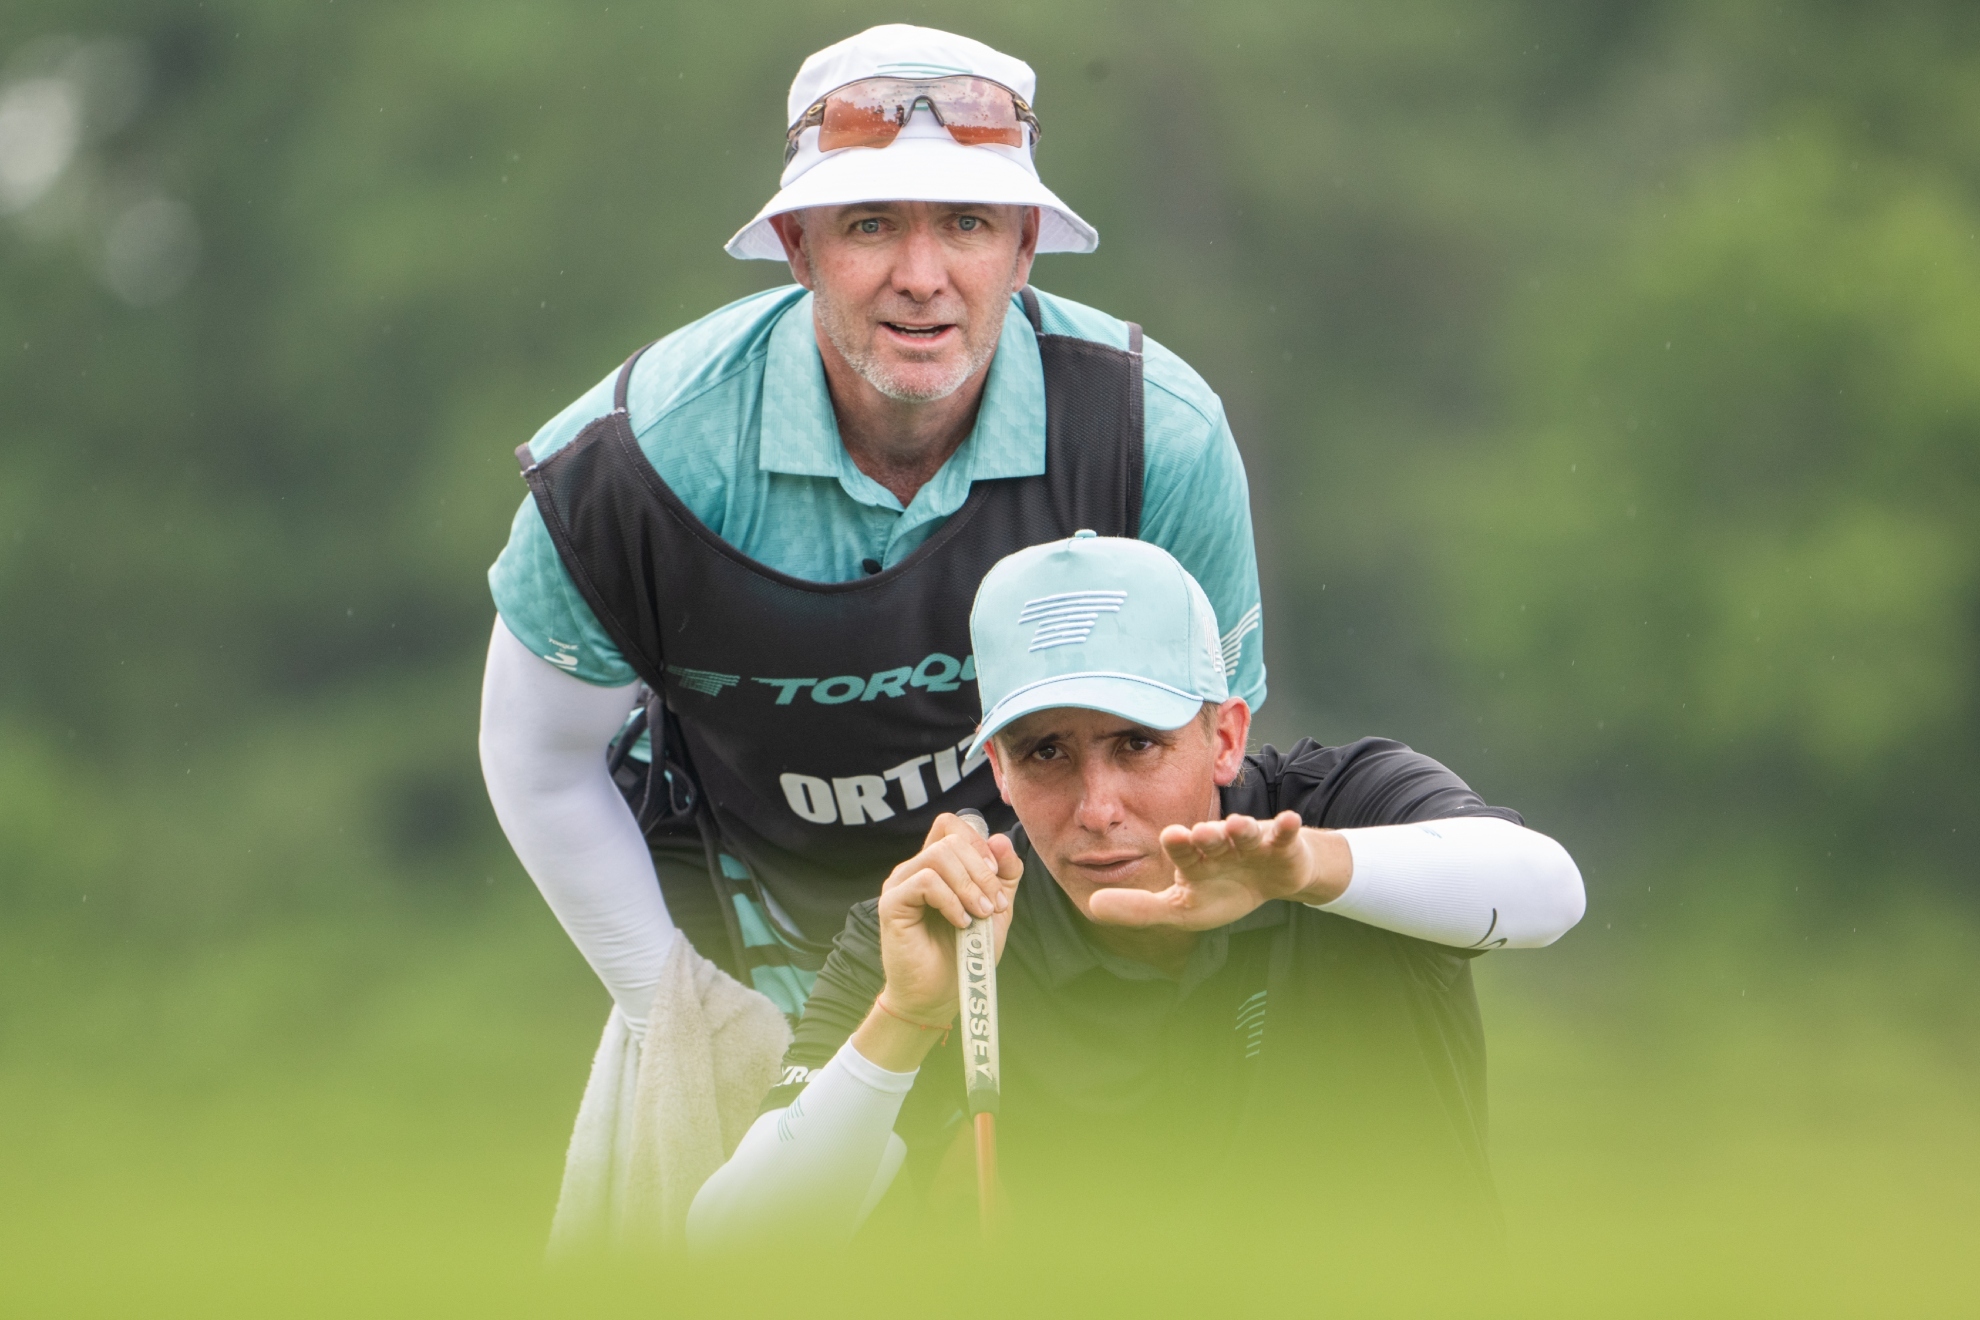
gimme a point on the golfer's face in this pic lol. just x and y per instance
(914, 293)
(1095, 791)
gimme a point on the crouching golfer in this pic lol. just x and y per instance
(1231, 984)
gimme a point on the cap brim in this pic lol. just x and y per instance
(1155, 705)
(916, 170)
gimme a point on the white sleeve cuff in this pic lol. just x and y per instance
(871, 1074)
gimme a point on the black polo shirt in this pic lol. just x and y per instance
(1299, 1054)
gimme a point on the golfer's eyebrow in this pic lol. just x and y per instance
(1023, 747)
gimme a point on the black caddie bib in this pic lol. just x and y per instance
(826, 722)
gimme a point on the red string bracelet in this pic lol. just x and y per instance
(880, 1003)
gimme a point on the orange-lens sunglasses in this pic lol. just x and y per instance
(872, 112)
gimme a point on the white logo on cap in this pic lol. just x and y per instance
(1068, 618)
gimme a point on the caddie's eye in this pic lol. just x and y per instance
(968, 223)
(869, 226)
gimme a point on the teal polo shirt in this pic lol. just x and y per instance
(734, 414)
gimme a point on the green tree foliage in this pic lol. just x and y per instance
(1729, 537)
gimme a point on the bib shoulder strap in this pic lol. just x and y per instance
(589, 494)
(1031, 311)
(624, 382)
(527, 461)
(1093, 427)
(1036, 315)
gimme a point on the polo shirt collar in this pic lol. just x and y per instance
(800, 432)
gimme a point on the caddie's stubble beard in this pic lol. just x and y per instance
(851, 331)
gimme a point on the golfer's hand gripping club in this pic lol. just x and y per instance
(942, 914)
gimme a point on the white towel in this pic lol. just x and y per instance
(659, 1116)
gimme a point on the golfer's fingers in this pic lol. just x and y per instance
(1010, 867)
(1192, 847)
(965, 859)
(1179, 842)
(951, 826)
(927, 888)
(1246, 835)
(1179, 906)
(1252, 837)
(968, 872)
(1132, 907)
(1212, 838)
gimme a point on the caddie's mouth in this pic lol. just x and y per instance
(921, 336)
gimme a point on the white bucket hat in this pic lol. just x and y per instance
(923, 164)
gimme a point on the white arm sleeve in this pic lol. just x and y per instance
(543, 740)
(1475, 882)
(816, 1167)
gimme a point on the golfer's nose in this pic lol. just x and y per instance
(1099, 799)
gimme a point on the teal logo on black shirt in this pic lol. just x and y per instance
(1251, 1024)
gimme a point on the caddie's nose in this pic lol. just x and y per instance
(921, 273)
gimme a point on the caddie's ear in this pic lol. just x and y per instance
(1027, 248)
(790, 232)
(1228, 736)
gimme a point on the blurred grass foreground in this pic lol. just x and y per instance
(1609, 377)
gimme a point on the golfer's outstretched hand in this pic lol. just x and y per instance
(1225, 868)
(957, 875)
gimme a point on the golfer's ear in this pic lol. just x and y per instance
(996, 755)
(1228, 738)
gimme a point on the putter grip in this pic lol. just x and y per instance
(976, 989)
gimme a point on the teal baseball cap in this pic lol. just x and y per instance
(1098, 622)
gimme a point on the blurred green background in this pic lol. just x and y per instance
(1609, 379)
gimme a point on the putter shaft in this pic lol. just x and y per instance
(976, 985)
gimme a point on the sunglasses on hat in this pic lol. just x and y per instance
(873, 111)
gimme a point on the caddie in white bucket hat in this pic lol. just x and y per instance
(925, 162)
(748, 555)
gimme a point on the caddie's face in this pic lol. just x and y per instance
(912, 294)
(1095, 791)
